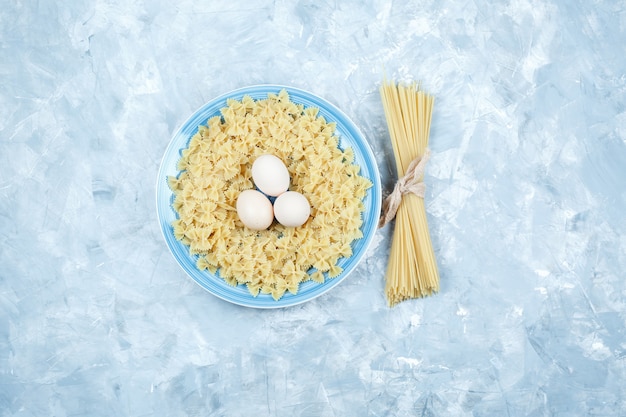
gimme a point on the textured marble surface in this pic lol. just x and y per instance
(526, 203)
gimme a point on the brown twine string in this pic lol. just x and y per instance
(411, 182)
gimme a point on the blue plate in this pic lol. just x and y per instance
(349, 135)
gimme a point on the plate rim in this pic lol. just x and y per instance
(326, 107)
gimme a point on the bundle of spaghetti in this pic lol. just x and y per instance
(412, 269)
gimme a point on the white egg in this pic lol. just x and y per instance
(292, 209)
(255, 210)
(270, 175)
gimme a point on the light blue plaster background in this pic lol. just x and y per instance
(526, 202)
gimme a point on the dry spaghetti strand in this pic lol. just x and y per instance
(412, 269)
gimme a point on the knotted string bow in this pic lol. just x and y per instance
(411, 182)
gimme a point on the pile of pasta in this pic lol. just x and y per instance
(216, 167)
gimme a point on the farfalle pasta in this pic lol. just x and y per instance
(216, 167)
